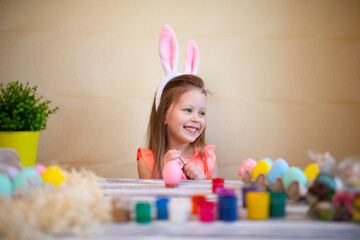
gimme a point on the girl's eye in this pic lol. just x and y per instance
(202, 114)
(187, 110)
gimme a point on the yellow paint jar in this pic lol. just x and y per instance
(258, 204)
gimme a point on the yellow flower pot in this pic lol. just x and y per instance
(25, 143)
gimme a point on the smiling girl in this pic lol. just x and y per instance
(176, 130)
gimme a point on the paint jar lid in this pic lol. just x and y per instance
(226, 191)
(217, 182)
(250, 188)
(161, 206)
(143, 212)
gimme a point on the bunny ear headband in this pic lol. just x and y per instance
(169, 55)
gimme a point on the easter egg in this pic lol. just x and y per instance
(27, 180)
(40, 168)
(247, 165)
(261, 167)
(279, 159)
(6, 187)
(54, 176)
(171, 174)
(268, 160)
(293, 174)
(311, 171)
(277, 170)
(12, 172)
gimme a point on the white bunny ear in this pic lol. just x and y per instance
(192, 58)
(169, 56)
(169, 51)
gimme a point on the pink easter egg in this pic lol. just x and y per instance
(40, 168)
(247, 165)
(171, 174)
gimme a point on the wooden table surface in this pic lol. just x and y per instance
(296, 225)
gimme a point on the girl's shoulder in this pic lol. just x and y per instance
(210, 151)
(144, 153)
(148, 157)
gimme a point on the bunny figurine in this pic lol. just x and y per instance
(325, 161)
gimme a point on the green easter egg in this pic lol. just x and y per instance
(294, 174)
(27, 180)
(6, 187)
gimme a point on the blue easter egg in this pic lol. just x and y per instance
(278, 169)
(27, 180)
(279, 159)
(6, 187)
(292, 174)
(268, 160)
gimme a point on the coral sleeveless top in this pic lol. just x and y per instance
(207, 167)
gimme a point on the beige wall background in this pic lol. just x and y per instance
(284, 76)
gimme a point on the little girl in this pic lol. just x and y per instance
(176, 130)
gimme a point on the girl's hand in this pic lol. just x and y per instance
(173, 155)
(193, 172)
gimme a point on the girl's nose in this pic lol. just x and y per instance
(194, 118)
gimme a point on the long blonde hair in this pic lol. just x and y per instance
(156, 133)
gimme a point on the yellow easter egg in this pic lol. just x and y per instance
(261, 167)
(311, 171)
(54, 175)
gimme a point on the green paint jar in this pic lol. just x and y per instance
(277, 204)
(143, 212)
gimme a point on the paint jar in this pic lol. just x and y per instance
(179, 210)
(143, 212)
(161, 207)
(258, 204)
(195, 202)
(227, 208)
(245, 190)
(216, 183)
(206, 211)
(277, 204)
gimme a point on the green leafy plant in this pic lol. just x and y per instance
(21, 109)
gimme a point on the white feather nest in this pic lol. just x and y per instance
(79, 207)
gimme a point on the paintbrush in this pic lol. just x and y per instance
(182, 159)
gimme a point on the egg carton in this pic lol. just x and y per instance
(295, 191)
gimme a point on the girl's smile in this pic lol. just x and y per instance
(185, 119)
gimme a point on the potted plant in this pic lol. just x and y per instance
(23, 115)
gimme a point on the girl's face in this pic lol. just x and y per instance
(185, 119)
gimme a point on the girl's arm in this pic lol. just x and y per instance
(143, 171)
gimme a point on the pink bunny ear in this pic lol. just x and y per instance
(168, 50)
(192, 58)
